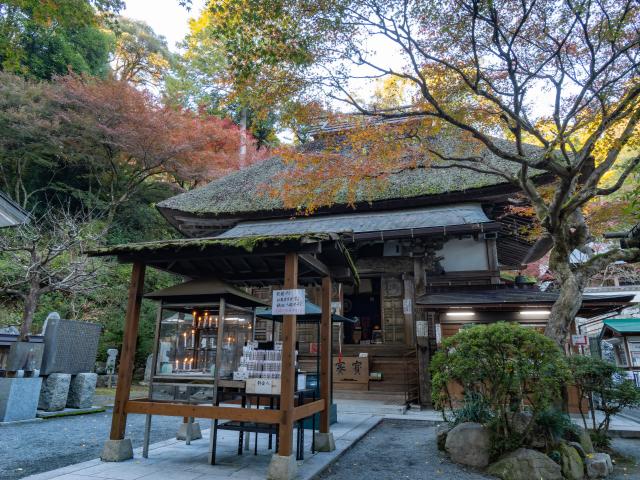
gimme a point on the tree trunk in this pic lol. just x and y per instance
(30, 305)
(566, 307)
(243, 139)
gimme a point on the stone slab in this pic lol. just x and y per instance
(68, 412)
(18, 422)
(19, 398)
(54, 391)
(82, 390)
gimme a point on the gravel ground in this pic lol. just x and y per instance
(37, 447)
(398, 449)
(627, 458)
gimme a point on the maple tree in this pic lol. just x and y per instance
(132, 138)
(99, 141)
(478, 74)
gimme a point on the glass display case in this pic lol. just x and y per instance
(202, 326)
(188, 341)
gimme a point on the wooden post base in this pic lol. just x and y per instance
(117, 450)
(282, 468)
(324, 442)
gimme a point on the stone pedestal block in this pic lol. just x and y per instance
(19, 398)
(196, 433)
(324, 442)
(282, 468)
(82, 390)
(599, 465)
(54, 391)
(117, 450)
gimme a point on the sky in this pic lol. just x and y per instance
(166, 17)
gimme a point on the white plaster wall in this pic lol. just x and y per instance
(464, 254)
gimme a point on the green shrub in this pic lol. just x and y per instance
(507, 366)
(553, 424)
(475, 408)
(598, 379)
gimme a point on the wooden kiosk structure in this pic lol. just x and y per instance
(289, 261)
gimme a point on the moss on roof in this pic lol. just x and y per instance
(243, 191)
(248, 244)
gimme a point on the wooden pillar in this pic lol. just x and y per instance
(287, 385)
(127, 356)
(325, 355)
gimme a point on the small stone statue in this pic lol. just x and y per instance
(112, 354)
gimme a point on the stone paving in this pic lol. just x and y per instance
(174, 460)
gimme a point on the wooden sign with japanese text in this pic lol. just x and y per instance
(351, 369)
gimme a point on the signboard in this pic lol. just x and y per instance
(265, 386)
(336, 308)
(314, 347)
(288, 302)
(579, 340)
(351, 370)
(438, 334)
(407, 306)
(422, 328)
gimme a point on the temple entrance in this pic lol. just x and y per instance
(363, 305)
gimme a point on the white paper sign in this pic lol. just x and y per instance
(288, 302)
(579, 340)
(422, 328)
(438, 334)
(407, 306)
(264, 385)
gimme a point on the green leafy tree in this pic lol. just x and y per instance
(141, 56)
(46, 38)
(246, 60)
(605, 387)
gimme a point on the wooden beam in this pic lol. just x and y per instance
(287, 388)
(325, 354)
(185, 410)
(309, 409)
(125, 371)
(315, 264)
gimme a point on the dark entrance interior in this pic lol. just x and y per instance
(364, 304)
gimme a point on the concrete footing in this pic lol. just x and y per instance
(196, 434)
(282, 468)
(324, 442)
(117, 450)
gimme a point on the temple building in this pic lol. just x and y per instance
(430, 247)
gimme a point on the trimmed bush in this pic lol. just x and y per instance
(505, 368)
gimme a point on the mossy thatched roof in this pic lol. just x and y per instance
(243, 192)
(246, 244)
